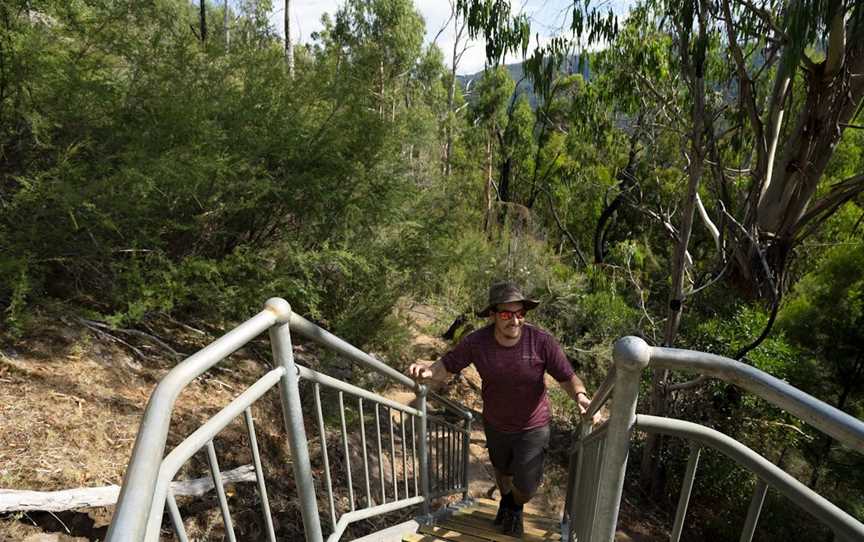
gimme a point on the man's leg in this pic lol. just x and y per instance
(504, 481)
(500, 447)
(529, 454)
(505, 486)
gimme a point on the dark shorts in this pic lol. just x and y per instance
(520, 455)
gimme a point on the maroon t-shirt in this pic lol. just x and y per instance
(514, 393)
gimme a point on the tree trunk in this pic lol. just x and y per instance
(203, 20)
(289, 45)
(650, 471)
(225, 20)
(451, 95)
(487, 189)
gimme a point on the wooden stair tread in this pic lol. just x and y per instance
(438, 533)
(529, 510)
(485, 529)
(474, 524)
(537, 522)
(493, 504)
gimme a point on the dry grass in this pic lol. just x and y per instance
(70, 407)
(71, 404)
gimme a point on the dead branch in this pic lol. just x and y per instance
(113, 338)
(15, 500)
(135, 333)
(565, 231)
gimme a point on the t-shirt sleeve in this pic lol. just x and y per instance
(557, 363)
(458, 358)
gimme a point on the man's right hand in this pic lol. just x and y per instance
(420, 372)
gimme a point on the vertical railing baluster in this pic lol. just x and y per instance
(437, 447)
(451, 475)
(380, 454)
(454, 476)
(365, 454)
(259, 474)
(220, 491)
(443, 439)
(345, 447)
(466, 456)
(444, 456)
(424, 449)
(325, 456)
(176, 518)
(433, 440)
(594, 511)
(754, 510)
(393, 455)
(442, 462)
(571, 511)
(292, 415)
(457, 457)
(404, 453)
(414, 456)
(686, 488)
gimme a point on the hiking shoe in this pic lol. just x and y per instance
(512, 524)
(502, 514)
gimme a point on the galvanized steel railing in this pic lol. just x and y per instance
(599, 457)
(419, 468)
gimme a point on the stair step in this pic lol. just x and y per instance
(493, 504)
(530, 520)
(474, 524)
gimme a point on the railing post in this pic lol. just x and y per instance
(630, 355)
(424, 453)
(289, 393)
(466, 455)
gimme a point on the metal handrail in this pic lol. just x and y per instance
(146, 488)
(601, 396)
(139, 483)
(601, 459)
(830, 420)
(308, 330)
(810, 501)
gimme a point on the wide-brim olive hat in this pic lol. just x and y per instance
(506, 292)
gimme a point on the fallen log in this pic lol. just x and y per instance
(18, 500)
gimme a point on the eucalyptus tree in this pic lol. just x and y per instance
(489, 112)
(383, 38)
(760, 94)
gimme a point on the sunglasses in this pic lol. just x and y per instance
(506, 315)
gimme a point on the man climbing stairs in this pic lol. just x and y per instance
(474, 524)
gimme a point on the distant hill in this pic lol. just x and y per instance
(524, 85)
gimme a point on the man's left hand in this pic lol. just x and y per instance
(583, 401)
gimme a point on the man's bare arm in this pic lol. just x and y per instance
(423, 373)
(576, 390)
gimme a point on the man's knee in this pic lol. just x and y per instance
(521, 497)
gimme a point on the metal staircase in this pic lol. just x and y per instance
(411, 456)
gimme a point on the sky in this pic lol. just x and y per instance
(548, 18)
